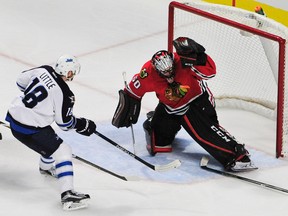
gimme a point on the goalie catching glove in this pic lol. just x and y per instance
(190, 52)
(84, 126)
(127, 111)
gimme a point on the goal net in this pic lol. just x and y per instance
(249, 51)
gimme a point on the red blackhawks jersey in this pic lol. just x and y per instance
(189, 83)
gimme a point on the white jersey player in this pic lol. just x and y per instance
(46, 98)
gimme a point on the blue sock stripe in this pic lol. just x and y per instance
(65, 163)
(69, 173)
(48, 161)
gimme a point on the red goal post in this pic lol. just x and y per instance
(249, 51)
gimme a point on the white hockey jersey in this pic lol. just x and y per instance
(45, 98)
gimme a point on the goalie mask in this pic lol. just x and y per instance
(163, 63)
(67, 66)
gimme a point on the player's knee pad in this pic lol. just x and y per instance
(63, 153)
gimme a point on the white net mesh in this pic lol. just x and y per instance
(247, 64)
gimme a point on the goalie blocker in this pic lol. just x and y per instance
(127, 111)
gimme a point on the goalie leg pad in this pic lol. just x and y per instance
(151, 145)
(201, 122)
(127, 111)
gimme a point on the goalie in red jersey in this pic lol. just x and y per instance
(179, 81)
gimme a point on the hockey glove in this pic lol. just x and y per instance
(127, 111)
(190, 52)
(84, 126)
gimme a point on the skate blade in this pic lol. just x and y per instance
(71, 206)
(244, 169)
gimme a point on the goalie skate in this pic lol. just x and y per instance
(72, 200)
(243, 162)
(243, 167)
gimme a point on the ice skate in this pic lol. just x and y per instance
(243, 165)
(51, 172)
(72, 200)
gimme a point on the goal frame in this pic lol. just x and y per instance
(281, 62)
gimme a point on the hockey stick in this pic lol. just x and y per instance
(130, 178)
(4, 124)
(173, 164)
(204, 163)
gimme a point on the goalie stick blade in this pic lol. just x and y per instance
(204, 162)
(171, 165)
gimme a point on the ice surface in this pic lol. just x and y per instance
(109, 38)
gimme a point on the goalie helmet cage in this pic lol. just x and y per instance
(249, 52)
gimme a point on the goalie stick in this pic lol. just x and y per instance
(131, 125)
(173, 164)
(204, 163)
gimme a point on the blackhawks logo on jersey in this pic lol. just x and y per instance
(143, 73)
(176, 91)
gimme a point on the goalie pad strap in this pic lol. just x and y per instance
(127, 111)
